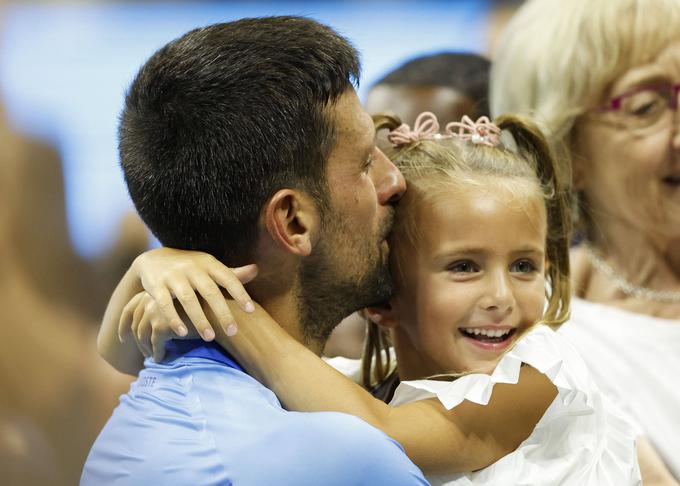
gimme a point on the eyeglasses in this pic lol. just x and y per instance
(645, 106)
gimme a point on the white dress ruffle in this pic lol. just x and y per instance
(582, 439)
(635, 361)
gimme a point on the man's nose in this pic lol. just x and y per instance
(389, 181)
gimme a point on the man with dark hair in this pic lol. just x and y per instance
(247, 140)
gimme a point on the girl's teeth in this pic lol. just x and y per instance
(495, 333)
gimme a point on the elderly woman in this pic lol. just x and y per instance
(602, 78)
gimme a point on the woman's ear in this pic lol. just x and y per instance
(384, 316)
(292, 220)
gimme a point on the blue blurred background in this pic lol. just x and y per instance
(64, 69)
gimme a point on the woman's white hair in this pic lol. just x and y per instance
(556, 59)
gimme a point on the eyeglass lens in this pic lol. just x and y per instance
(649, 106)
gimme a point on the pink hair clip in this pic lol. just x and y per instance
(425, 128)
(483, 131)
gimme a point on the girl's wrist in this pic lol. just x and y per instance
(260, 348)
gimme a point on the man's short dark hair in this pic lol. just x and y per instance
(220, 119)
(461, 71)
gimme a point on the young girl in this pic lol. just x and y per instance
(479, 238)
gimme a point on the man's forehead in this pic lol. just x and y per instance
(354, 134)
(351, 118)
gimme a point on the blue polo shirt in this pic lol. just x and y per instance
(198, 419)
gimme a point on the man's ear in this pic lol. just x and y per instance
(292, 220)
(385, 315)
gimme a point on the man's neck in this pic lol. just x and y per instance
(284, 310)
(282, 304)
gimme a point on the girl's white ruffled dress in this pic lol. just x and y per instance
(582, 439)
(635, 361)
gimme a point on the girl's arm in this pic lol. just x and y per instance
(168, 274)
(123, 356)
(466, 438)
(652, 468)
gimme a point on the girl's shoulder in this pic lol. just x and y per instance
(595, 444)
(541, 348)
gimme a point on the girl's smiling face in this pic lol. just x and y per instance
(474, 282)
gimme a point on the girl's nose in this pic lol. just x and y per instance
(498, 297)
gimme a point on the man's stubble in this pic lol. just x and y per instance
(343, 274)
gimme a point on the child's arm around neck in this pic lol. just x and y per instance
(466, 438)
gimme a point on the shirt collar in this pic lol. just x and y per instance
(197, 348)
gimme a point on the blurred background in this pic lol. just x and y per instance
(64, 68)
(68, 230)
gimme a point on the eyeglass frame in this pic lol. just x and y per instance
(614, 104)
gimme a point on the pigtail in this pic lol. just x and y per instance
(384, 122)
(376, 366)
(555, 178)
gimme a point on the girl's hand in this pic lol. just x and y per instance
(166, 273)
(150, 328)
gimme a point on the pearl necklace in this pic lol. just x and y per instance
(629, 288)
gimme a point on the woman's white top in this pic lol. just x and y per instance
(580, 440)
(635, 360)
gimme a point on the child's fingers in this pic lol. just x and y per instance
(246, 273)
(158, 340)
(143, 333)
(125, 321)
(212, 294)
(158, 350)
(232, 281)
(137, 318)
(161, 294)
(186, 295)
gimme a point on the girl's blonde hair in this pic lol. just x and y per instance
(436, 167)
(557, 59)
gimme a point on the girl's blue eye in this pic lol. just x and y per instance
(465, 266)
(523, 266)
